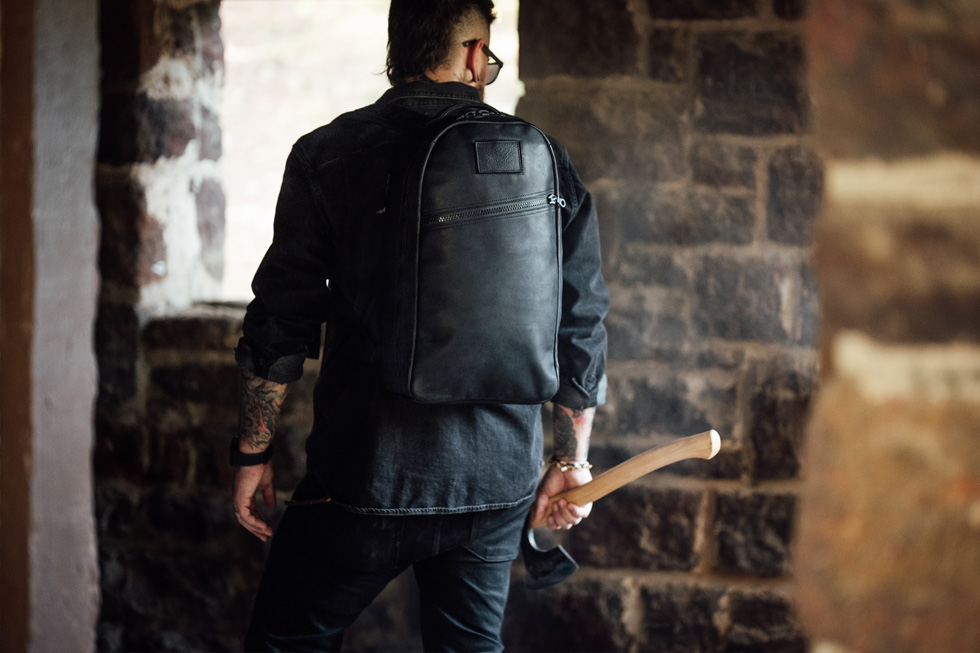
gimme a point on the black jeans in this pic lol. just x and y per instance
(327, 564)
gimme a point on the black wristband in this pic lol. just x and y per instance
(239, 459)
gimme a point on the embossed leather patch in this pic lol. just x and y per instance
(496, 157)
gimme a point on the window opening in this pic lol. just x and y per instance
(291, 66)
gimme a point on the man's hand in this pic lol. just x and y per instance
(563, 514)
(248, 482)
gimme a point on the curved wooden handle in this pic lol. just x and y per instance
(703, 445)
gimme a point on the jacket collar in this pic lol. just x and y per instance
(427, 89)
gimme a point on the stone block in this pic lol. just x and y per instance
(723, 165)
(637, 331)
(809, 310)
(195, 517)
(721, 357)
(613, 128)
(210, 201)
(200, 328)
(665, 408)
(209, 383)
(750, 83)
(889, 531)
(132, 240)
(779, 409)
(117, 351)
(555, 40)
(176, 600)
(702, 9)
(795, 194)
(687, 218)
(908, 277)
(121, 450)
(128, 41)
(679, 618)
(140, 129)
(670, 54)
(576, 615)
(888, 87)
(639, 527)
(762, 622)
(752, 533)
(741, 300)
(117, 510)
(789, 9)
(175, 27)
(642, 267)
(209, 24)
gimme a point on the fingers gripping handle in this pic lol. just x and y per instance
(703, 445)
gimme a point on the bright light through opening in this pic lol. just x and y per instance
(291, 66)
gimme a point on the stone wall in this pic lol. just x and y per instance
(161, 205)
(889, 546)
(690, 122)
(159, 184)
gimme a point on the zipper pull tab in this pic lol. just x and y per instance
(554, 199)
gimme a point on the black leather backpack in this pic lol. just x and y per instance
(475, 261)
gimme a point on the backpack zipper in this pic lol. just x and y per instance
(493, 211)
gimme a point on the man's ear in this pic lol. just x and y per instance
(473, 62)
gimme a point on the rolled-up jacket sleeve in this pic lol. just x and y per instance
(585, 299)
(283, 323)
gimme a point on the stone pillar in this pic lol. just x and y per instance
(48, 274)
(889, 544)
(690, 124)
(158, 184)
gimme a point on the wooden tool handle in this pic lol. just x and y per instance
(703, 445)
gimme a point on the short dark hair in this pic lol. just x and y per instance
(420, 33)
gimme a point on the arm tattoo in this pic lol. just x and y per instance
(261, 403)
(572, 427)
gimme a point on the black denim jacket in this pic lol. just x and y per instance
(374, 451)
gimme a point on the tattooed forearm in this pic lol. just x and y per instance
(572, 430)
(261, 403)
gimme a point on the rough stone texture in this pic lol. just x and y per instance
(720, 164)
(740, 90)
(702, 9)
(740, 300)
(889, 542)
(670, 52)
(899, 78)
(888, 548)
(607, 47)
(132, 239)
(762, 622)
(202, 327)
(778, 414)
(795, 192)
(646, 408)
(643, 528)
(789, 9)
(645, 330)
(892, 277)
(577, 615)
(116, 347)
(144, 129)
(753, 531)
(679, 618)
(684, 219)
(613, 130)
